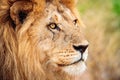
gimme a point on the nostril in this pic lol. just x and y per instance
(80, 48)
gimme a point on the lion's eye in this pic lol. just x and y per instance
(53, 26)
(75, 22)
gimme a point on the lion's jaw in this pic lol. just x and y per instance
(71, 63)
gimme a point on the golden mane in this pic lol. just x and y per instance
(11, 53)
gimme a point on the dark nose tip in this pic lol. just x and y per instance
(80, 48)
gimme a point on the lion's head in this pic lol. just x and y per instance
(41, 40)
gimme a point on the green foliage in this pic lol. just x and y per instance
(116, 10)
(83, 7)
(116, 6)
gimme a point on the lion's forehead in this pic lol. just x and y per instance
(68, 14)
(54, 14)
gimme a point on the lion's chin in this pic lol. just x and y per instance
(75, 69)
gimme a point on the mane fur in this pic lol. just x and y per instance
(10, 57)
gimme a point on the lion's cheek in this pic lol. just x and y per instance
(44, 49)
(45, 45)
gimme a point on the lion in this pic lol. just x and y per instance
(41, 40)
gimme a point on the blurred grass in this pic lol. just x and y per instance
(116, 10)
(102, 18)
(116, 6)
(83, 7)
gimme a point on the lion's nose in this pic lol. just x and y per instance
(80, 48)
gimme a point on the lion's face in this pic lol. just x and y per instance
(56, 37)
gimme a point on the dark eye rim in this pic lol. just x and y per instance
(56, 26)
(75, 21)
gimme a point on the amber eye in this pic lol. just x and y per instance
(53, 26)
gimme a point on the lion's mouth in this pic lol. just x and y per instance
(81, 59)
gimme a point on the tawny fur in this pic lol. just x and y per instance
(14, 42)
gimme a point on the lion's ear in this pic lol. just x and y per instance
(19, 11)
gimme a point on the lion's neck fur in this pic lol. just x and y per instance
(18, 64)
(8, 50)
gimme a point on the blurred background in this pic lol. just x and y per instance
(102, 18)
